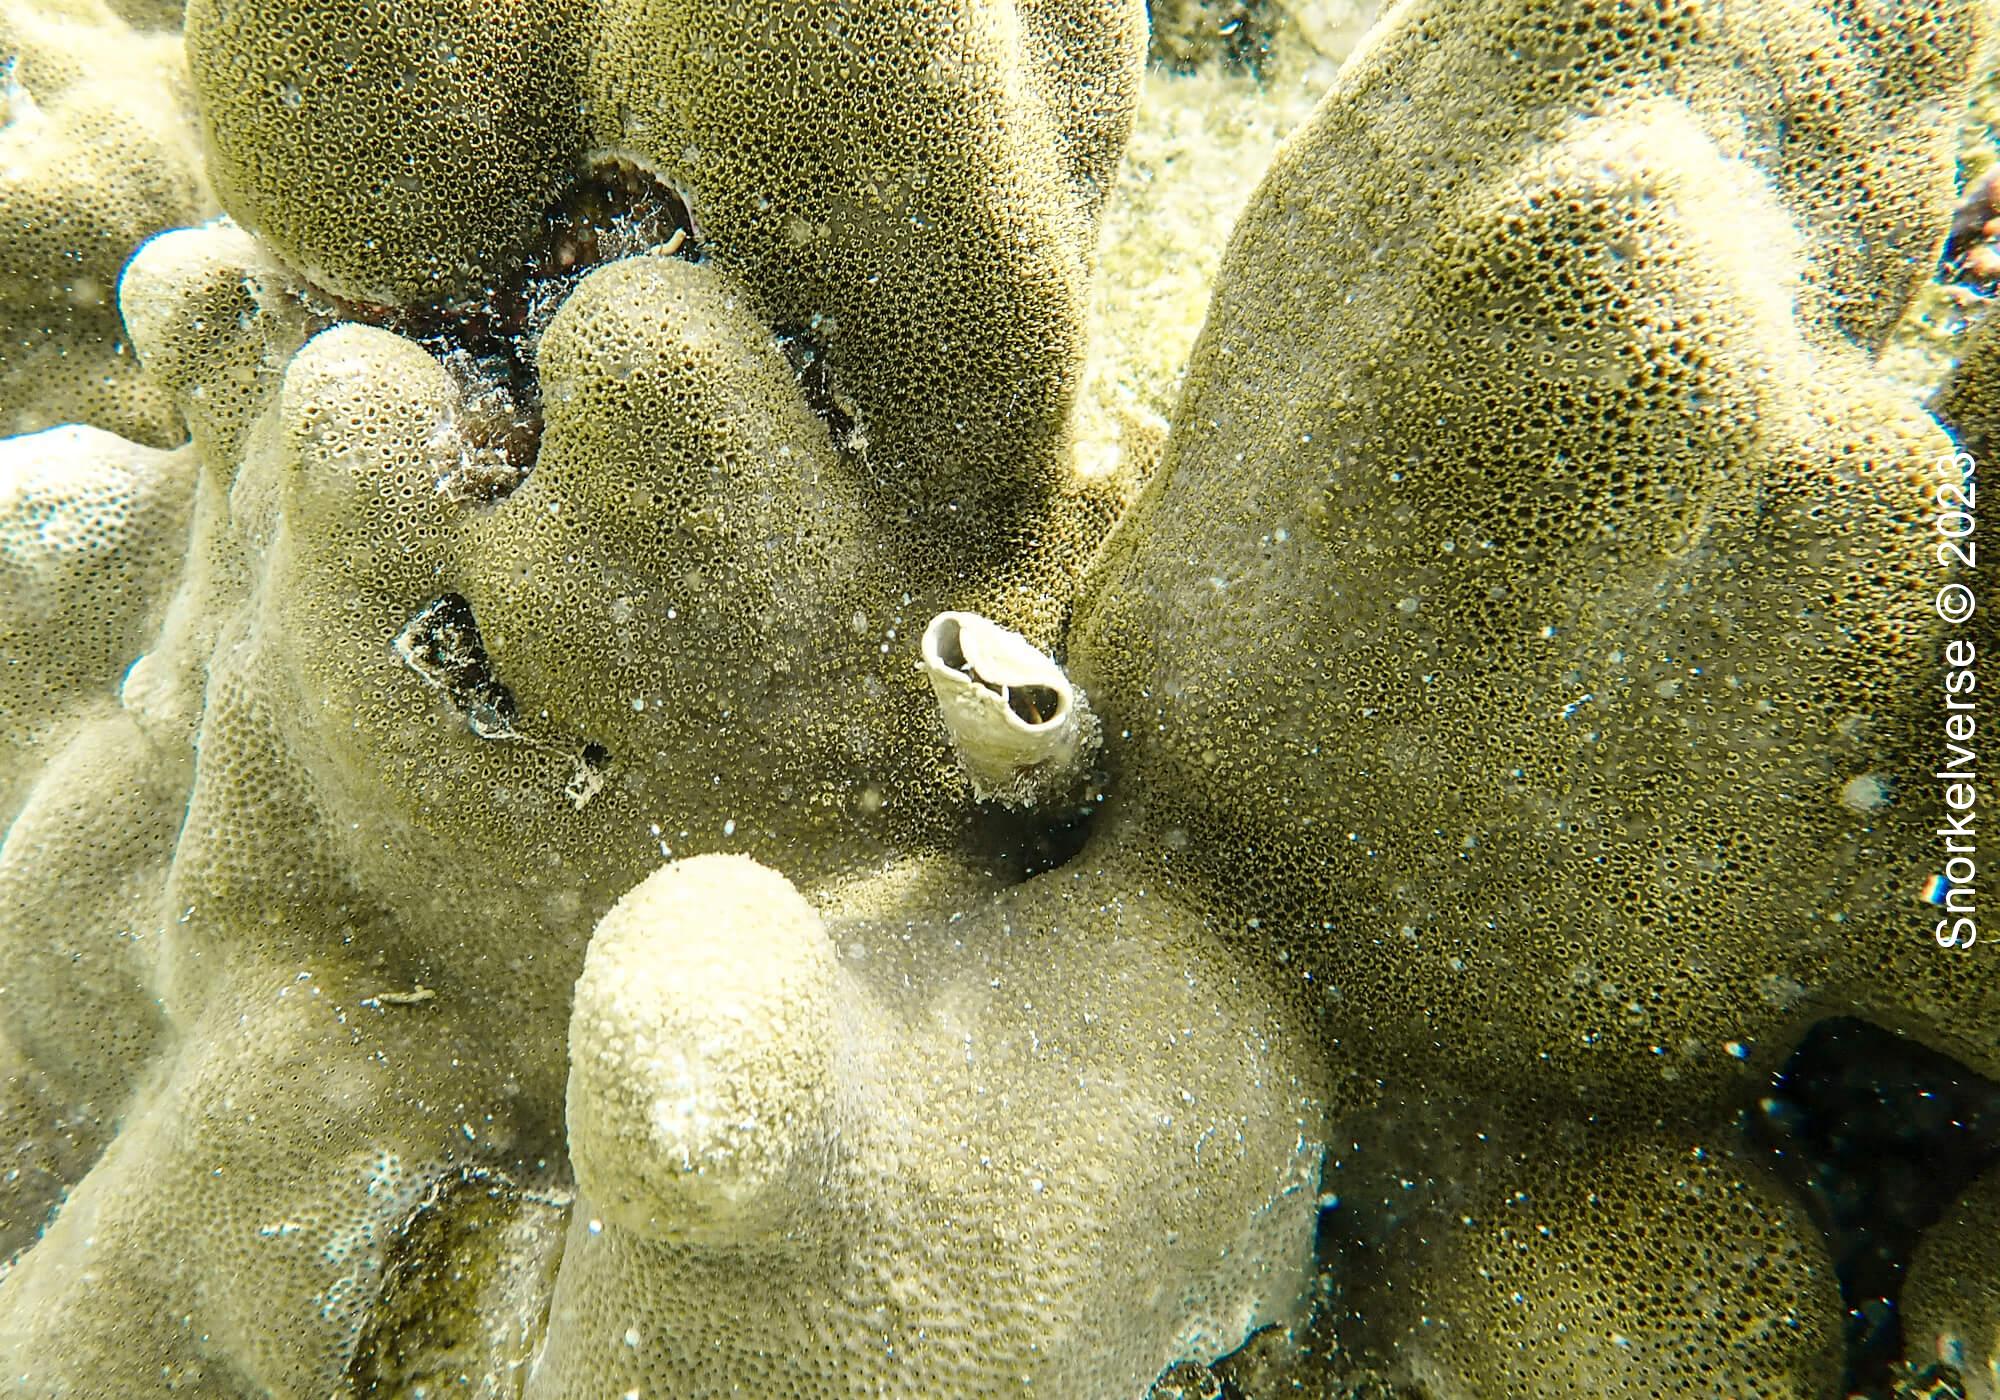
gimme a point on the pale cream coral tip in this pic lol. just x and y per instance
(1021, 729)
(702, 1062)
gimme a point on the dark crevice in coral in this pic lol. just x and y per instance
(475, 1240)
(806, 353)
(489, 341)
(1878, 1135)
(442, 645)
(587, 780)
(1053, 838)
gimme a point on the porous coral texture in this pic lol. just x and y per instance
(97, 151)
(1536, 588)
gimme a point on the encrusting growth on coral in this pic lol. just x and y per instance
(551, 853)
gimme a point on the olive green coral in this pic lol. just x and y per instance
(1952, 1301)
(1532, 588)
(389, 152)
(394, 698)
(908, 194)
(806, 1152)
(445, 716)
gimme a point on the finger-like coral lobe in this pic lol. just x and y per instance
(390, 153)
(704, 1094)
(97, 151)
(809, 1148)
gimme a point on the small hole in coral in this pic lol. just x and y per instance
(806, 353)
(442, 645)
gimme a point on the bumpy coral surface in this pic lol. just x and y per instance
(1582, 610)
(97, 151)
(493, 906)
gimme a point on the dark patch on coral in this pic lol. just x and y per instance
(1018, 845)
(489, 341)
(1932, 1383)
(807, 357)
(1970, 256)
(1059, 836)
(1190, 1380)
(588, 779)
(475, 1241)
(442, 645)
(1879, 1135)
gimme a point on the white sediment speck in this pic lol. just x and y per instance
(1865, 793)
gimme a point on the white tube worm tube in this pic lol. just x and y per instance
(1022, 731)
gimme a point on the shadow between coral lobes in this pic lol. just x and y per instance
(1878, 1135)
(489, 342)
